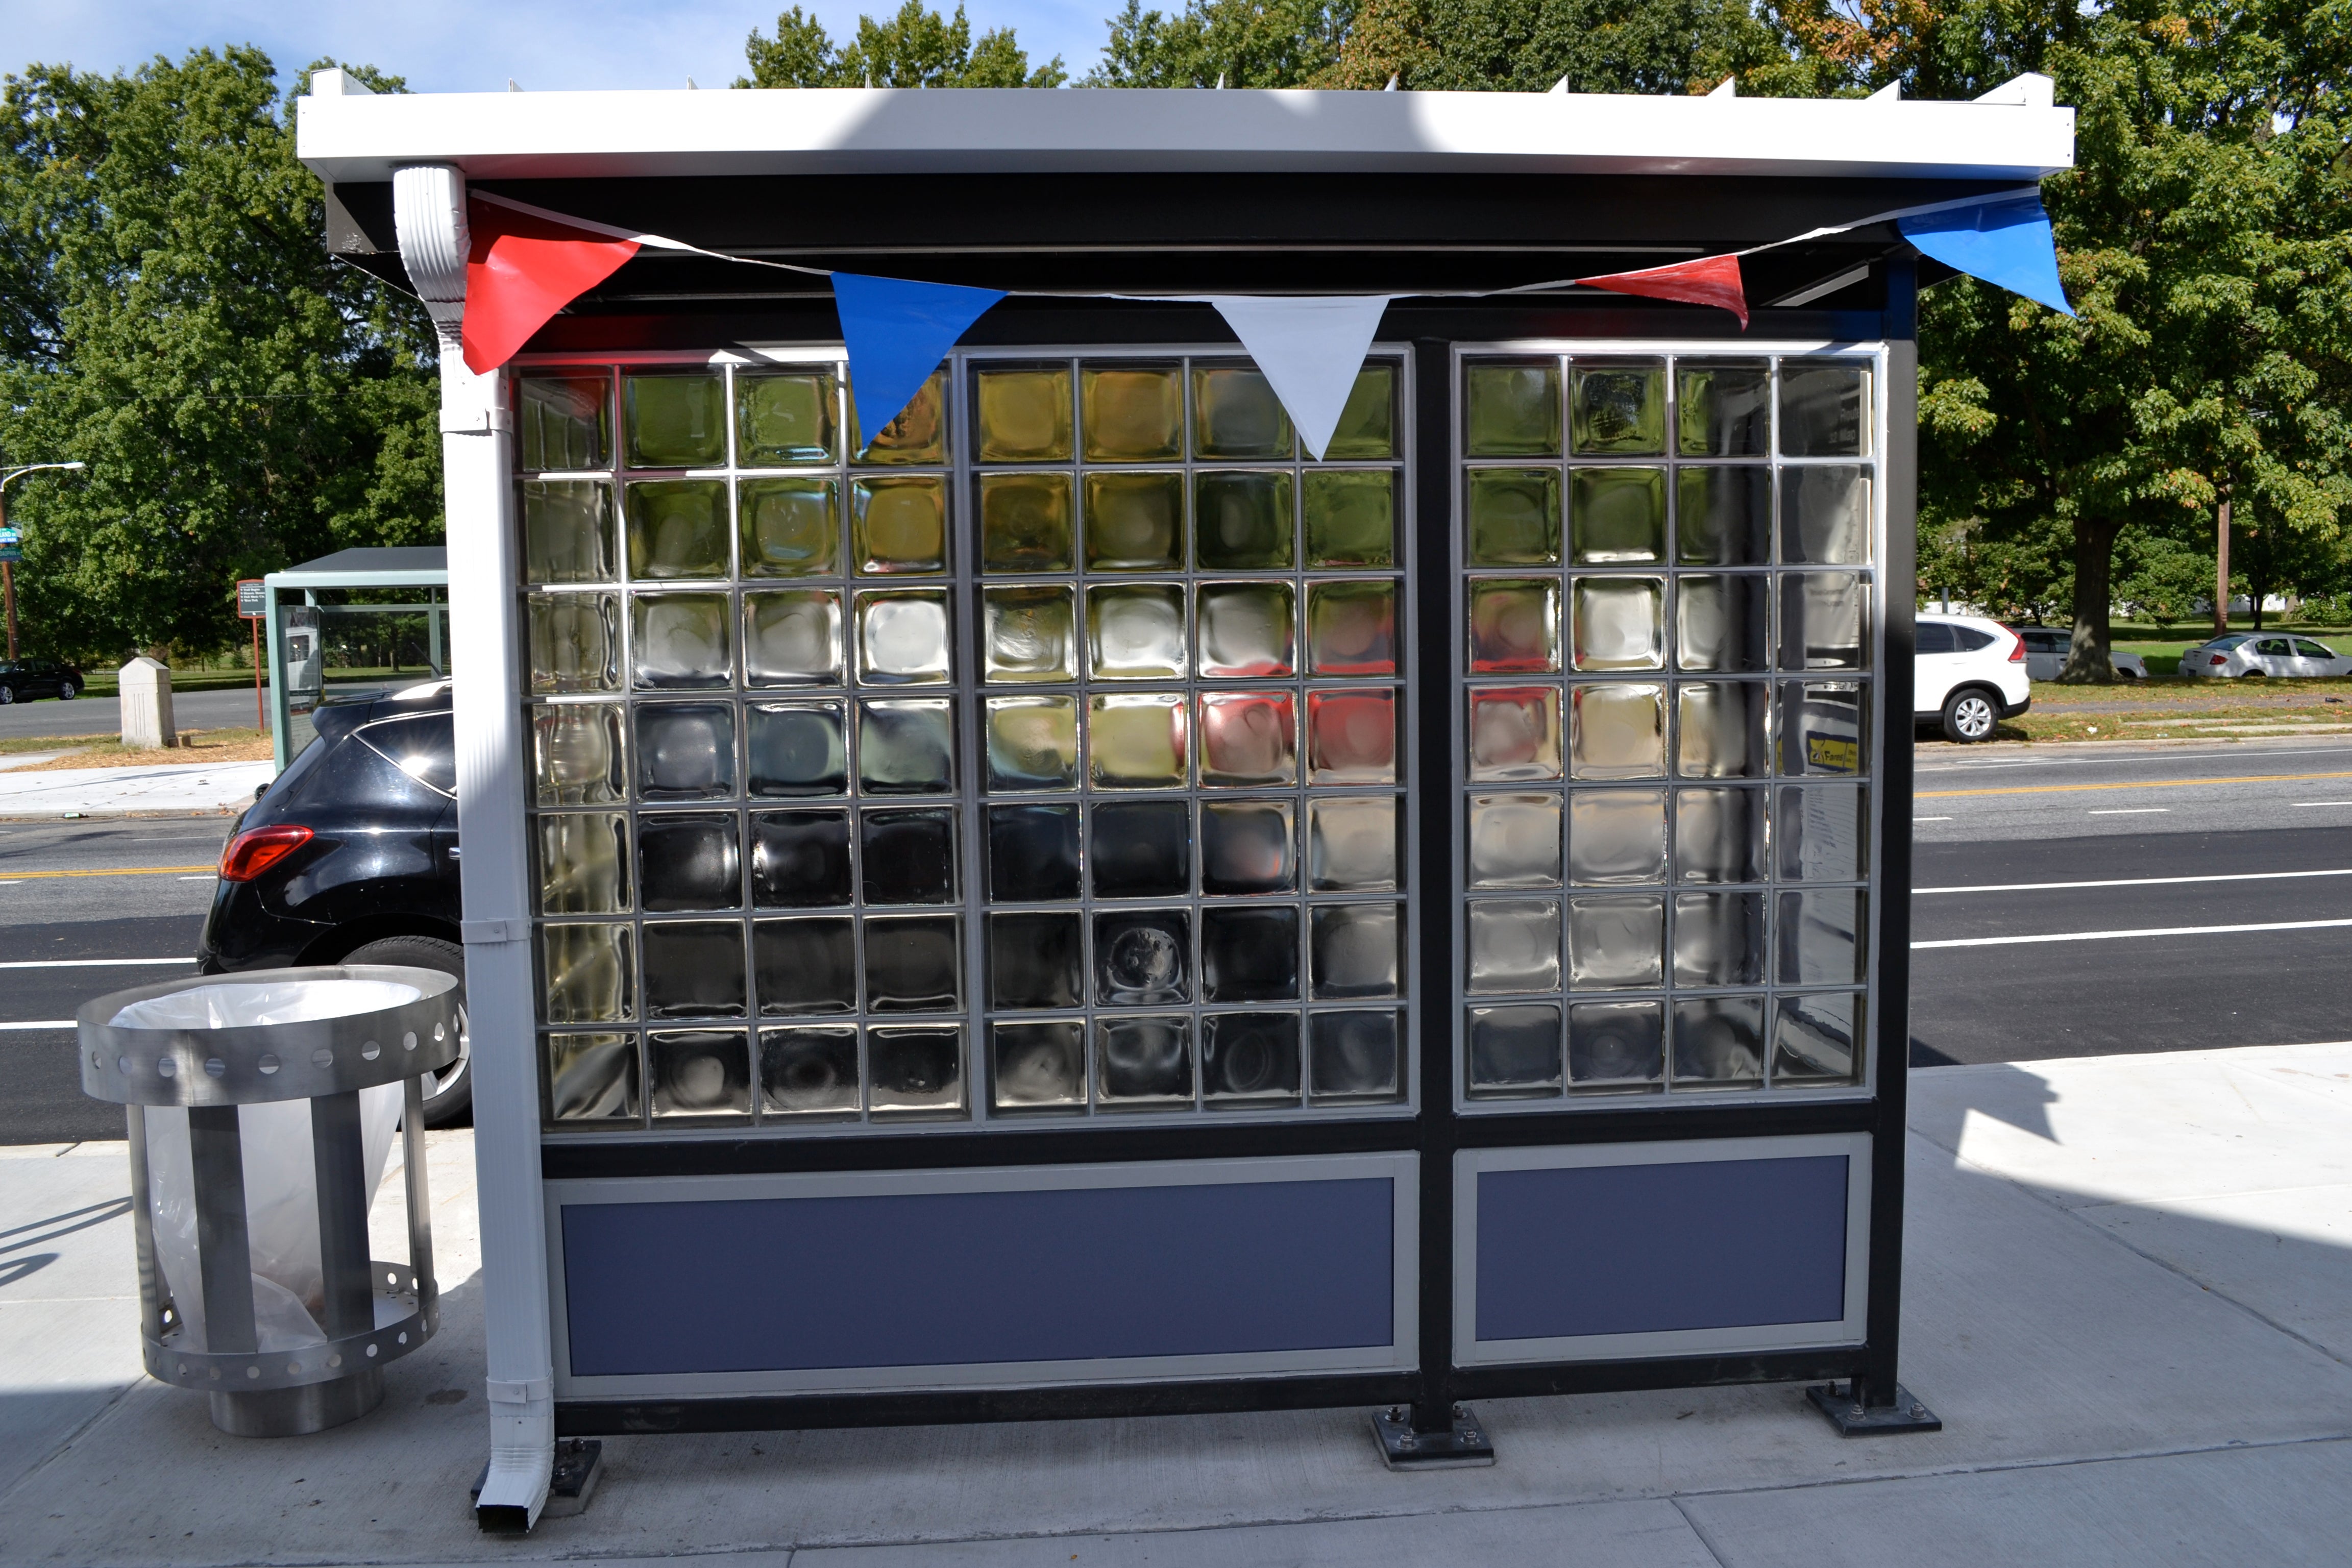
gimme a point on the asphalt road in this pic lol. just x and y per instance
(103, 715)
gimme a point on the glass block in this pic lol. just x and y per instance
(679, 642)
(1135, 522)
(1617, 731)
(1036, 959)
(1032, 852)
(1514, 945)
(1355, 951)
(1141, 850)
(1616, 837)
(1032, 742)
(1719, 939)
(567, 531)
(694, 969)
(914, 964)
(1037, 1067)
(914, 1070)
(1621, 409)
(1350, 516)
(1514, 517)
(1616, 1046)
(1136, 742)
(1352, 737)
(1721, 728)
(806, 968)
(1248, 847)
(588, 975)
(1617, 516)
(1825, 410)
(1720, 836)
(575, 642)
(1824, 938)
(1825, 516)
(906, 747)
(1723, 516)
(698, 1072)
(677, 529)
(685, 750)
(917, 434)
(785, 417)
(1351, 844)
(1135, 631)
(1022, 413)
(800, 859)
(1354, 1058)
(1722, 623)
(1143, 957)
(1723, 408)
(1143, 1064)
(1514, 1053)
(1028, 635)
(1351, 628)
(689, 861)
(1513, 626)
(580, 756)
(1817, 1040)
(1131, 413)
(1513, 409)
(1616, 941)
(902, 637)
(798, 749)
(1719, 1042)
(674, 420)
(791, 527)
(1823, 832)
(1514, 841)
(1248, 738)
(1249, 953)
(1513, 732)
(809, 1071)
(793, 637)
(1249, 1058)
(591, 1077)
(1618, 623)
(1368, 424)
(1246, 630)
(1027, 522)
(907, 857)
(1235, 413)
(564, 422)
(1242, 521)
(1823, 727)
(583, 864)
(898, 524)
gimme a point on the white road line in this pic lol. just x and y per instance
(2298, 804)
(2135, 881)
(2117, 935)
(207, 877)
(91, 963)
(42, 1024)
(1931, 819)
(2131, 810)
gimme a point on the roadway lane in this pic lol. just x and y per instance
(230, 710)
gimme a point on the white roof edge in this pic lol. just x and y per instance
(348, 136)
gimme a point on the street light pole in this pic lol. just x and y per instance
(8, 572)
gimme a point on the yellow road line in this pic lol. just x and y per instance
(2143, 783)
(126, 871)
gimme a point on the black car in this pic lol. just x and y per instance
(351, 857)
(22, 679)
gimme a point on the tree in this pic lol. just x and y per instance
(914, 47)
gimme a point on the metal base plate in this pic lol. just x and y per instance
(1463, 1444)
(1852, 1420)
(298, 1412)
(578, 1466)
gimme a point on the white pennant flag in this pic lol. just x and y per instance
(1311, 349)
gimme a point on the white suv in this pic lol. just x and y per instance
(1970, 675)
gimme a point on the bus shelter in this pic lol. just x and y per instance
(399, 593)
(1312, 809)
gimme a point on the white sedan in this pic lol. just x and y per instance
(2045, 655)
(2244, 654)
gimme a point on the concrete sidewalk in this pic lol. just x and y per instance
(128, 792)
(2128, 1294)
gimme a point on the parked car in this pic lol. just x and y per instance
(22, 679)
(351, 857)
(1970, 675)
(2045, 655)
(2262, 653)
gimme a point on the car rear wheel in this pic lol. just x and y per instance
(2254, 675)
(8, 694)
(67, 691)
(1968, 716)
(449, 1093)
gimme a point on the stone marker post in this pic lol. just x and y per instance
(147, 704)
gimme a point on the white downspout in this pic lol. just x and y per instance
(478, 461)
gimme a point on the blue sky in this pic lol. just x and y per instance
(463, 46)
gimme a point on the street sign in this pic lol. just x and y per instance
(251, 602)
(12, 545)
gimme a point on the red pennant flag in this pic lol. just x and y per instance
(522, 270)
(1711, 280)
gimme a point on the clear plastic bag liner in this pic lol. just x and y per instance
(230, 1005)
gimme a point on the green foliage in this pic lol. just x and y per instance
(914, 47)
(1237, 43)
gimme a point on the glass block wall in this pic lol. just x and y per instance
(1666, 639)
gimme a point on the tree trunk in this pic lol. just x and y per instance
(2086, 653)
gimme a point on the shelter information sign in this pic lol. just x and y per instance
(252, 602)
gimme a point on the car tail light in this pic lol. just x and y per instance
(2017, 654)
(248, 855)
(2218, 659)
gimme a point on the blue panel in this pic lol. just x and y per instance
(944, 1279)
(1626, 1249)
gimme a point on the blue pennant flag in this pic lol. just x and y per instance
(2007, 242)
(897, 333)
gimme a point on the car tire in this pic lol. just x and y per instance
(449, 1093)
(2256, 675)
(67, 691)
(8, 694)
(1970, 715)
(2127, 675)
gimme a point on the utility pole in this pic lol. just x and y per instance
(2221, 568)
(8, 570)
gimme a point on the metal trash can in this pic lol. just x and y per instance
(261, 1108)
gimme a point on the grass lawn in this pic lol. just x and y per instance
(109, 752)
(2179, 708)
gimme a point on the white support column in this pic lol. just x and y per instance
(477, 459)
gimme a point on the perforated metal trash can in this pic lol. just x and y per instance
(261, 1109)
